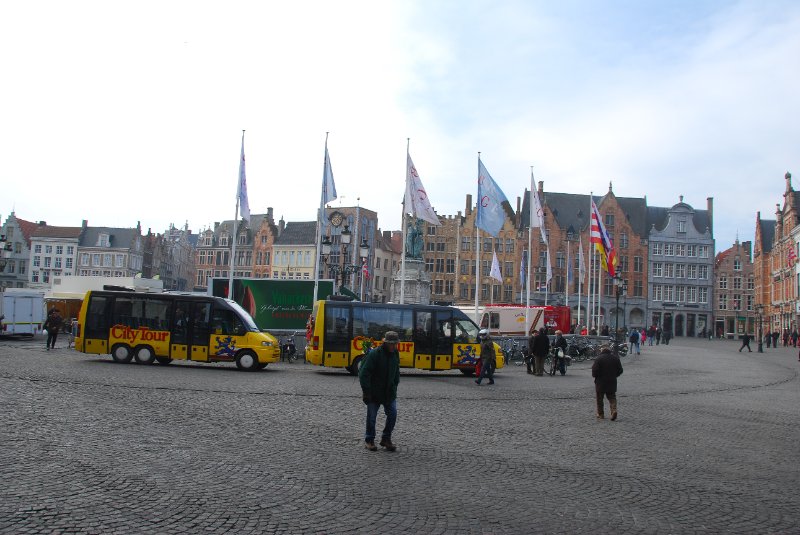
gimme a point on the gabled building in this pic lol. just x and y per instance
(54, 253)
(734, 292)
(294, 251)
(110, 251)
(18, 234)
(681, 268)
(388, 247)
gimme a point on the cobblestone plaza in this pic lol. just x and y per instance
(706, 442)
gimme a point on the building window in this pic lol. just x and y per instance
(70, 249)
(723, 301)
(681, 225)
(449, 287)
(669, 249)
(723, 282)
(737, 283)
(34, 276)
(509, 246)
(637, 288)
(450, 265)
(702, 272)
(623, 264)
(120, 261)
(680, 271)
(669, 293)
(431, 230)
(680, 249)
(439, 266)
(429, 265)
(638, 265)
(508, 293)
(691, 294)
(464, 267)
(702, 294)
(37, 248)
(37, 261)
(737, 264)
(657, 292)
(465, 243)
(623, 240)
(669, 269)
(657, 248)
(68, 263)
(609, 220)
(751, 285)
(691, 251)
(48, 249)
(438, 286)
(59, 249)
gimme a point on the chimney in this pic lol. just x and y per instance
(540, 188)
(469, 204)
(42, 223)
(748, 248)
(788, 178)
(269, 214)
(84, 223)
(281, 225)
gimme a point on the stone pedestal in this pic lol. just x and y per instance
(417, 283)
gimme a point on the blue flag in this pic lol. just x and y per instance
(491, 214)
(328, 185)
(241, 189)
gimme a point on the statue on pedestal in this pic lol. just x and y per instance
(414, 241)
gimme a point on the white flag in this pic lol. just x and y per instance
(416, 199)
(495, 272)
(581, 264)
(241, 190)
(328, 185)
(549, 267)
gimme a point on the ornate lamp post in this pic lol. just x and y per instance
(619, 290)
(760, 310)
(344, 269)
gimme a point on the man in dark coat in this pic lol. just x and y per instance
(539, 347)
(745, 343)
(605, 370)
(52, 325)
(379, 376)
(488, 357)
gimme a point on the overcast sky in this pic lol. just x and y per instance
(117, 112)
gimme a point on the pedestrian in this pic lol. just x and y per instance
(651, 335)
(633, 338)
(785, 337)
(642, 338)
(539, 347)
(775, 336)
(794, 337)
(605, 370)
(379, 376)
(768, 338)
(666, 335)
(488, 357)
(52, 325)
(745, 343)
(560, 352)
(659, 334)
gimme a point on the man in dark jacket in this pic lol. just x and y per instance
(605, 370)
(539, 347)
(379, 376)
(745, 343)
(52, 325)
(488, 357)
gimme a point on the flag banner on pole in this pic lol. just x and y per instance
(602, 242)
(365, 269)
(581, 263)
(328, 185)
(791, 256)
(241, 193)
(491, 214)
(537, 212)
(569, 266)
(523, 271)
(549, 267)
(416, 198)
(495, 272)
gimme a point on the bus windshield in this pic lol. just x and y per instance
(465, 328)
(245, 317)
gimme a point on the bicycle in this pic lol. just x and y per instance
(512, 352)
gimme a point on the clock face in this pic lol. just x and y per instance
(336, 219)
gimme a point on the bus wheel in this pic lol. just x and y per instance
(467, 371)
(247, 361)
(121, 353)
(163, 360)
(355, 366)
(144, 355)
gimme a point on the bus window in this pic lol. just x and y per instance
(227, 323)
(422, 332)
(378, 320)
(337, 328)
(180, 327)
(123, 312)
(465, 330)
(444, 331)
(201, 315)
(97, 323)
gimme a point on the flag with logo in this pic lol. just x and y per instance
(549, 266)
(791, 256)
(523, 271)
(602, 242)
(416, 199)
(495, 272)
(569, 266)
(365, 270)
(241, 190)
(491, 214)
(537, 212)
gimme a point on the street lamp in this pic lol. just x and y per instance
(760, 310)
(619, 290)
(343, 269)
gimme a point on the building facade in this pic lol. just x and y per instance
(734, 292)
(110, 251)
(54, 253)
(681, 269)
(15, 273)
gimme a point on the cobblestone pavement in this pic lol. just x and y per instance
(706, 442)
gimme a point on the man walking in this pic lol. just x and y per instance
(745, 343)
(379, 376)
(605, 370)
(488, 357)
(52, 325)
(539, 347)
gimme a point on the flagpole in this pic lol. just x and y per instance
(569, 271)
(404, 228)
(590, 289)
(530, 225)
(477, 243)
(235, 229)
(599, 294)
(580, 278)
(320, 215)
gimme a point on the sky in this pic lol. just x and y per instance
(118, 112)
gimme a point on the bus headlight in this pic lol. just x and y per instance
(266, 343)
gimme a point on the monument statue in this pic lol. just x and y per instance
(414, 240)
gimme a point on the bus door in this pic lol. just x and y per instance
(338, 335)
(443, 340)
(96, 325)
(423, 340)
(190, 330)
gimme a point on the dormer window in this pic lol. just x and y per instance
(681, 225)
(223, 241)
(104, 240)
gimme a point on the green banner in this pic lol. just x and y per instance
(275, 304)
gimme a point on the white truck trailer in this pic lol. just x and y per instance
(23, 312)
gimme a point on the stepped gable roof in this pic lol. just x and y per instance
(658, 216)
(27, 228)
(298, 233)
(48, 231)
(117, 237)
(767, 227)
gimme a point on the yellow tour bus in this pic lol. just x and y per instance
(161, 327)
(432, 337)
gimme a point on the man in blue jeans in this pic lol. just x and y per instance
(379, 376)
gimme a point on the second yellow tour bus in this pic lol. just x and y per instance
(162, 327)
(431, 337)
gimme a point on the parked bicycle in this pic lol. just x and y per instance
(512, 352)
